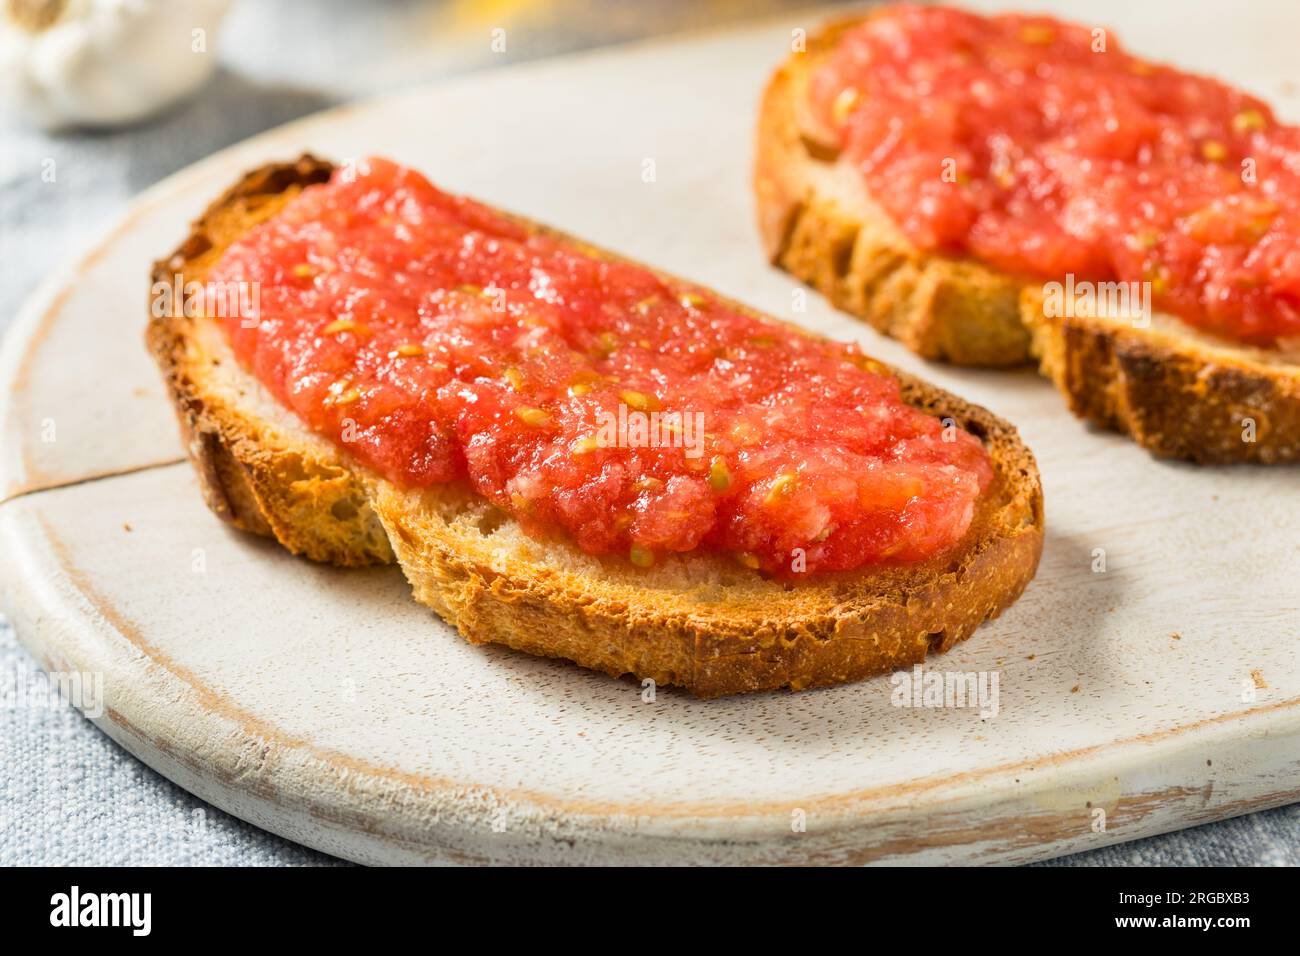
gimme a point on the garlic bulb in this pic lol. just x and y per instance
(103, 62)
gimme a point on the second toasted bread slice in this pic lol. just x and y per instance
(1177, 391)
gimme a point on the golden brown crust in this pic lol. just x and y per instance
(242, 483)
(1176, 396)
(1170, 392)
(698, 621)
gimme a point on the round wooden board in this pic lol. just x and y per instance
(328, 707)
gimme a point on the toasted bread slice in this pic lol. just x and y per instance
(1175, 390)
(696, 620)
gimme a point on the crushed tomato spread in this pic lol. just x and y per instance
(439, 341)
(1043, 149)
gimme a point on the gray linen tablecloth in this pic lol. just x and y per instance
(68, 794)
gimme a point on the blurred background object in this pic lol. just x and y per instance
(102, 63)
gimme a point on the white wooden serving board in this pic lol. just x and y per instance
(326, 706)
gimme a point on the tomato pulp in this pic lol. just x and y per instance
(1044, 149)
(438, 340)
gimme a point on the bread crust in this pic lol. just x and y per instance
(697, 620)
(1175, 391)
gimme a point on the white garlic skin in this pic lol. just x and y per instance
(103, 63)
